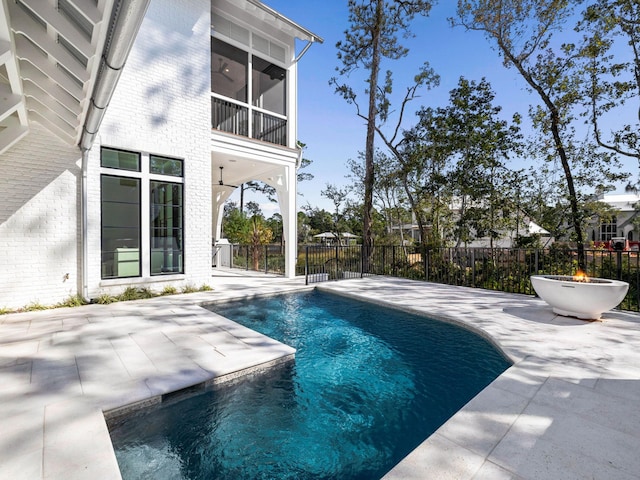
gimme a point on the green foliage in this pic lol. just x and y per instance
(130, 293)
(610, 64)
(73, 301)
(205, 288)
(5, 311)
(372, 37)
(146, 292)
(34, 306)
(189, 289)
(169, 290)
(105, 299)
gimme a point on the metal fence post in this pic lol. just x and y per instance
(426, 265)
(266, 259)
(306, 265)
(619, 264)
(473, 267)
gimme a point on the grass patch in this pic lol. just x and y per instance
(205, 288)
(6, 311)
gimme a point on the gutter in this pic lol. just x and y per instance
(126, 18)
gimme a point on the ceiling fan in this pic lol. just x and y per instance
(223, 69)
(222, 184)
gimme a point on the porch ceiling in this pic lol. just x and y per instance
(237, 170)
(49, 59)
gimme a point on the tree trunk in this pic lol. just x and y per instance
(369, 176)
(562, 153)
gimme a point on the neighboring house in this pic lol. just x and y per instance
(621, 224)
(124, 125)
(526, 228)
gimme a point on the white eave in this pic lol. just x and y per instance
(285, 23)
(51, 57)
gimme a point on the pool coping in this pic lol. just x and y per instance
(53, 402)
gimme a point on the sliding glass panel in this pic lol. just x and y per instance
(229, 67)
(167, 229)
(269, 83)
(120, 208)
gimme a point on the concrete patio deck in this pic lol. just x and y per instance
(567, 409)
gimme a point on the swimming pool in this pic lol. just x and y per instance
(367, 386)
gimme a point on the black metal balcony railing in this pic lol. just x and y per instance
(233, 118)
(229, 117)
(269, 128)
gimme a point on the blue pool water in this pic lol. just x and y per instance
(367, 386)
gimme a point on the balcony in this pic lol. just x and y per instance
(232, 117)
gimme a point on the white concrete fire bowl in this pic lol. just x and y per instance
(586, 300)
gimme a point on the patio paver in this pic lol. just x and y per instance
(566, 409)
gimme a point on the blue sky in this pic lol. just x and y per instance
(329, 126)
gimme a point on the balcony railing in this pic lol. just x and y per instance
(233, 118)
(269, 128)
(229, 117)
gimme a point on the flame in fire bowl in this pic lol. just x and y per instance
(579, 296)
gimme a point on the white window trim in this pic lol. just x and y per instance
(145, 177)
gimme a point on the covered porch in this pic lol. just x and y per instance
(236, 160)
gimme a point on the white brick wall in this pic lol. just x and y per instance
(39, 243)
(162, 106)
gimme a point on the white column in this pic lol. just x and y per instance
(286, 189)
(219, 196)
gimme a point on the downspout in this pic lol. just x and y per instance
(126, 18)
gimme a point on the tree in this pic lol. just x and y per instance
(319, 220)
(522, 31)
(481, 142)
(612, 79)
(426, 156)
(388, 195)
(259, 234)
(338, 196)
(372, 36)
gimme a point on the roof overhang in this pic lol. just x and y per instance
(285, 23)
(51, 58)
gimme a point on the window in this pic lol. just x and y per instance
(268, 86)
(229, 66)
(166, 227)
(131, 184)
(165, 166)
(256, 109)
(120, 202)
(119, 159)
(608, 230)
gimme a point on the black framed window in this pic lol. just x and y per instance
(120, 159)
(120, 226)
(165, 166)
(167, 229)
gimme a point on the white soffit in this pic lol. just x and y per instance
(49, 59)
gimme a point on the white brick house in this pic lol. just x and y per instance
(118, 120)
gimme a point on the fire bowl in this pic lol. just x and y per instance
(584, 300)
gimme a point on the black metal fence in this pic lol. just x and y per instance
(502, 269)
